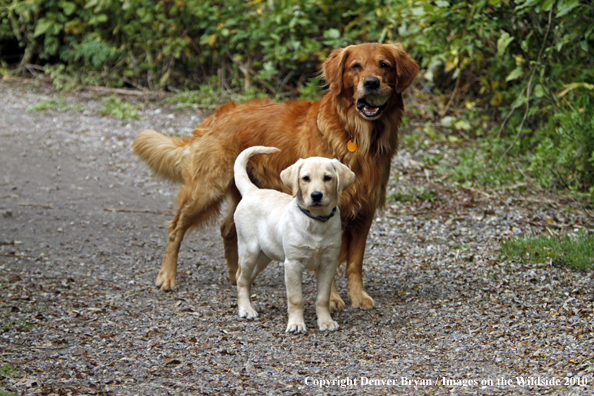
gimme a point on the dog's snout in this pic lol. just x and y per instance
(371, 82)
(316, 196)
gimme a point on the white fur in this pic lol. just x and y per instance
(270, 226)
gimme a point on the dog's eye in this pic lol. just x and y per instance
(327, 178)
(384, 65)
(356, 66)
(305, 178)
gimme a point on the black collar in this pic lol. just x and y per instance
(323, 219)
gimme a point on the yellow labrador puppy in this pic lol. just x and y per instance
(303, 231)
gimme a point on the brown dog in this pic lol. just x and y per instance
(356, 122)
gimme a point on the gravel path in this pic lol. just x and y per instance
(81, 239)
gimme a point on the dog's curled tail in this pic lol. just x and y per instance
(242, 180)
(164, 155)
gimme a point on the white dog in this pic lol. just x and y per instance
(303, 231)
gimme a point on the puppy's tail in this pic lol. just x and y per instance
(242, 180)
(165, 156)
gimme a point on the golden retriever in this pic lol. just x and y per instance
(356, 122)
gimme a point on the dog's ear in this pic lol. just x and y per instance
(333, 68)
(406, 67)
(290, 176)
(346, 177)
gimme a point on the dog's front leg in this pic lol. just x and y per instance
(354, 269)
(325, 274)
(293, 280)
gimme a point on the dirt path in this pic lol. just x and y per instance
(80, 313)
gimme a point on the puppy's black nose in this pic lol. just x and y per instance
(371, 82)
(316, 196)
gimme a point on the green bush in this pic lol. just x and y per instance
(184, 43)
(481, 50)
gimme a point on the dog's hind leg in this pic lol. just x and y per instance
(248, 265)
(229, 233)
(193, 210)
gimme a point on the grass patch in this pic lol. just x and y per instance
(7, 372)
(21, 325)
(114, 107)
(414, 194)
(58, 103)
(573, 251)
(10, 372)
(210, 96)
(205, 98)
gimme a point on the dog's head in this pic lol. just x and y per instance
(370, 74)
(318, 182)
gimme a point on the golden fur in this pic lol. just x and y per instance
(204, 162)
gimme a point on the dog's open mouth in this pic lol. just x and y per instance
(373, 109)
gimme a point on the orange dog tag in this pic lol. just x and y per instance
(351, 146)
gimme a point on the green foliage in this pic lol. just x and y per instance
(268, 44)
(558, 153)
(565, 153)
(114, 107)
(573, 251)
(525, 65)
(517, 59)
(275, 44)
(58, 103)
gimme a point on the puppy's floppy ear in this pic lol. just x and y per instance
(333, 68)
(406, 67)
(346, 177)
(290, 176)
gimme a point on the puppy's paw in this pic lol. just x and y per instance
(296, 328)
(336, 303)
(329, 325)
(248, 313)
(165, 280)
(361, 300)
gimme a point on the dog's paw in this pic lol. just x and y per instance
(361, 300)
(336, 303)
(296, 328)
(329, 325)
(248, 313)
(165, 280)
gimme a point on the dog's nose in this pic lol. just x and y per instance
(371, 82)
(316, 196)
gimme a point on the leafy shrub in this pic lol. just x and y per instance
(565, 154)
(121, 110)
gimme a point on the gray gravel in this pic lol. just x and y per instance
(81, 239)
